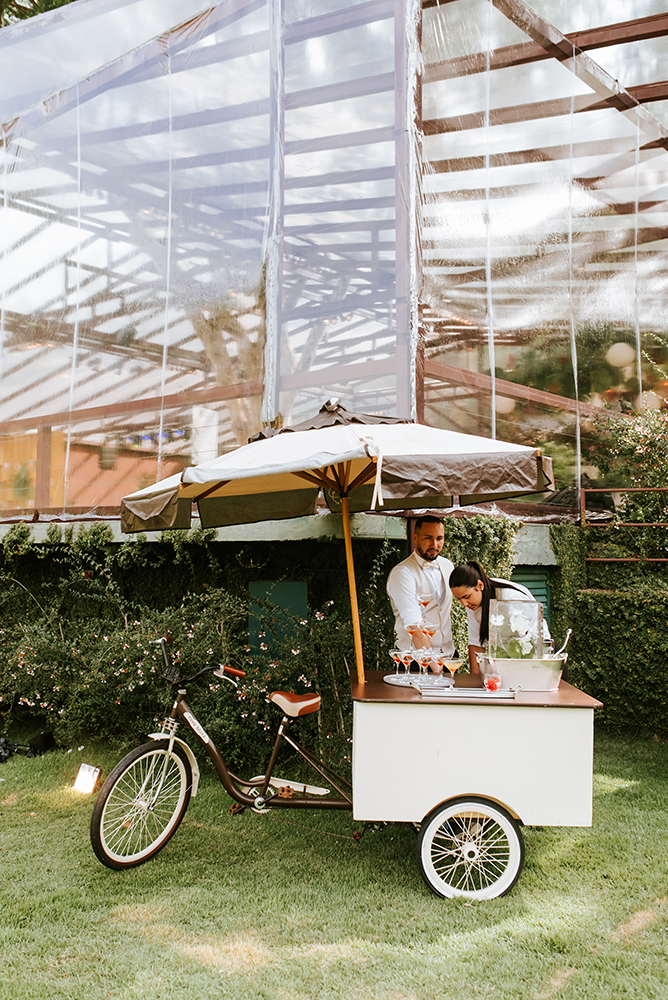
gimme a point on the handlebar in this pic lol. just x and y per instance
(232, 671)
(173, 676)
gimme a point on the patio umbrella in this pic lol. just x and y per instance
(360, 462)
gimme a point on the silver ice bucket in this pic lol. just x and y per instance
(541, 674)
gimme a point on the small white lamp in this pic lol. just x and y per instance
(86, 779)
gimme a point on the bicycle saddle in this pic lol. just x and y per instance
(295, 704)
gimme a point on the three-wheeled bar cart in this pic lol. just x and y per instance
(470, 768)
(466, 766)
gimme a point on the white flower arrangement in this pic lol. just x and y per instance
(515, 630)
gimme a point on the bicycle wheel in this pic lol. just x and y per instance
(141, 805)
(470, 847)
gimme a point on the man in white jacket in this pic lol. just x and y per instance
(424, 572)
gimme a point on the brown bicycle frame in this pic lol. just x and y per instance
(182, 713)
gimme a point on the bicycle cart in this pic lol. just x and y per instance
(469, 768)
(466, 767)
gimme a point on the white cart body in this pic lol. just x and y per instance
(532, 755)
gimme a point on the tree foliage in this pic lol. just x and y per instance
(638, 451)
(637, 457)
(547, 363)
(20, 10)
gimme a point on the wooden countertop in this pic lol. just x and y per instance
(375, 690)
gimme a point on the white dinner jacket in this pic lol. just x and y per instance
(406, 580)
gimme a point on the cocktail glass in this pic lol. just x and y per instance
(438, 659)
(429, 630)
(424, 599)
(407, 658)
(423, 657)
(395, 654)
(414, 628)
(453, 666)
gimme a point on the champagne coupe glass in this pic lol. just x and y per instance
(407, 658)
(395, 654)
(426, 661)
(413, 628)
(429, 630)
(437, 660)
(424, 599)
(419, 657)
(453, 666)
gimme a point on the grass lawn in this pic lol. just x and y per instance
(254, 907)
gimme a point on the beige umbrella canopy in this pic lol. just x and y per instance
(360, 462)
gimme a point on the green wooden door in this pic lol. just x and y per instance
(537, 580)
(284, 595)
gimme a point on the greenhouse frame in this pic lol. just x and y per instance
(216, 218)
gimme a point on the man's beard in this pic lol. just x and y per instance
(425, 555)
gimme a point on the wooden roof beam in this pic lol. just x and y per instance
(512, 390)
(655, 26)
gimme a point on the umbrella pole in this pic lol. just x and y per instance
(357, 634)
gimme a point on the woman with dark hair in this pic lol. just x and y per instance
(471, 586)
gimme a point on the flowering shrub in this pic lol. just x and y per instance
(109, 683)
(78, 651)
(81, 615)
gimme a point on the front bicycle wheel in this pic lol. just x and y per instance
(470, 847)
(141, 805)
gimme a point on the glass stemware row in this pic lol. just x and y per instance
(436, 659)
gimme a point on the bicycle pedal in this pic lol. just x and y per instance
(236, 809)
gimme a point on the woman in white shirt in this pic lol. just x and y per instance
(471, 586)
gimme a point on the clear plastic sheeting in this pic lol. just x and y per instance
(543, 226)
(577, 15)
(85, 37)
(205, 217)
(214, 218)
(345, 212)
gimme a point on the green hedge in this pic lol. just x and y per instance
(619, 648)
(81, 615)
(619, 655)
(106, 682)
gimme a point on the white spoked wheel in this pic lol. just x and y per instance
(470, 847)
(141, 805)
